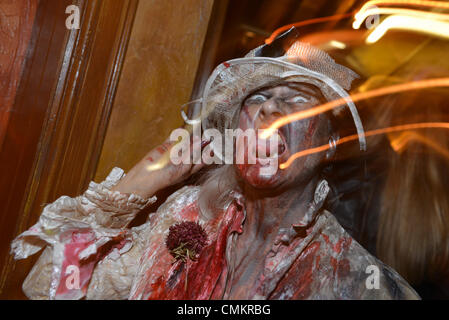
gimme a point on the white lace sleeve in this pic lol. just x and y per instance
(78, 232)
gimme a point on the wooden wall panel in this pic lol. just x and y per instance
(66, 94)
(59, 119)
(157, 78)
(16, 22)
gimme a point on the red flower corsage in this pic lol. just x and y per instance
(186, 240)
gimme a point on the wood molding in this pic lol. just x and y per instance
(16, 23)
(208, 52)
(60, 115)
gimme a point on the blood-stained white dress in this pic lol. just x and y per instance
(313, 259)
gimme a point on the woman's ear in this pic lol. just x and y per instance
(333, 140)
(334, 137)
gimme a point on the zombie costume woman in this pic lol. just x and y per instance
(258, 237)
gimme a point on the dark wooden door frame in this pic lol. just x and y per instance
(208, 54)
(60, 116)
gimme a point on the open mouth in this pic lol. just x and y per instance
(265, 149)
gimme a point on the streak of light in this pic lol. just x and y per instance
(399, 22)
(405, 127)
(366, 7)
(361, 16)
(429, 83)
(420, 3)
(340, 38)
(337, 44)
(326, 45)
(306, 23)
(400, 143)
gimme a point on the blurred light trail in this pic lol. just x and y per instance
(361, 16)
(368, 6)
(306, 23)
(399, 22)
(337, 44)
(421, 3)
(430, 83)
(405, 127)
(400, 143)
(334, 39)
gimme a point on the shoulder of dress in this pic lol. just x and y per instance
(183, 197)
(362, 264)
(179, 206)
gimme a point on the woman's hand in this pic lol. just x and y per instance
(156, 171)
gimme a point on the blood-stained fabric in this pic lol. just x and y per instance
(313, 259)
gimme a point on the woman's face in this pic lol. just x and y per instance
(259, 110)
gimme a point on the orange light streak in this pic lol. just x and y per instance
(367, 6)
(361, 16)
(420, 3)
(405, 127)
(409, 86)
(399, 144)
(306, 23)
(398, 22)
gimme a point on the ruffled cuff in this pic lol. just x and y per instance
(112, 209)
(78, 230)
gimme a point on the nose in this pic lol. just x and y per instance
(271, 109)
